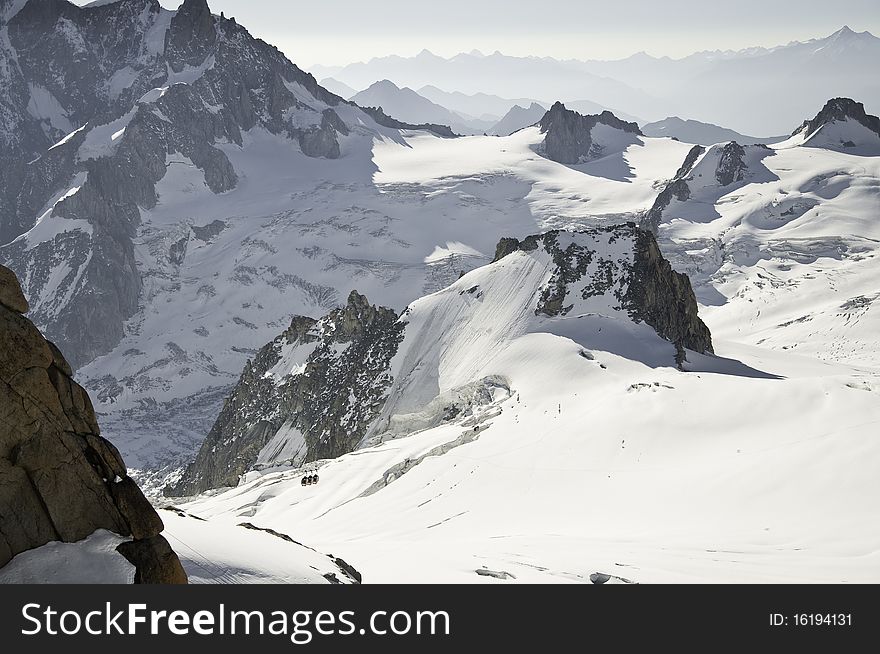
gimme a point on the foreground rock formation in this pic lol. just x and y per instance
(59, 479)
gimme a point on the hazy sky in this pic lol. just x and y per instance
(333, 32)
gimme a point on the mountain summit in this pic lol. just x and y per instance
(570, 136)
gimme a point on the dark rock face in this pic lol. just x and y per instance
(839, 109)
(322, 142)
(569, 137)
(59, 480)
(647, 288)
(191, 36)
(665, 299)
(328, 399)
(385, 120)
(118, 62)
(731, 166)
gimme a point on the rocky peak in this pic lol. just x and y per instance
(569, 137)
(359, 315)
(310, 394)
(731, 164)
(646, 286)
(191, 36)
(840, 109)
(59, 479)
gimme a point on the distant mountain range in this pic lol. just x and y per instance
(407, 105)
(517, 118)
(478, 113)
(693, 131)
(714, 87)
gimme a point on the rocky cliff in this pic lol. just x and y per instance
(59, 479)
(569, 135)
(310, 394)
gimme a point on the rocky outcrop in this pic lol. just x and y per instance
(191, 35)
(840, 109)
(383, 119)
(59, 479)
(664, 299)
(310, 394)
(322, 141)
(731, 165)
(646, 286)
(569, 135)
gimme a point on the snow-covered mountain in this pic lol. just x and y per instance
(694, 131)
(407, 105)
(722, 88)
(360, 376)
(517, 118)
(572, 138)
(109, 98)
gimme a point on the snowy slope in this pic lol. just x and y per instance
(606, 464)
(218, 552)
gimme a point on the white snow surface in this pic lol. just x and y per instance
(90, 561)
(724, 474)
(220, 552)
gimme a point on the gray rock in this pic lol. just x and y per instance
(155, 561)
(731, 166)
(677, 188)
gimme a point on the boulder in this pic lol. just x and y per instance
(155, 561)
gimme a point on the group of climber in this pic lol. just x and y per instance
(310, 480)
